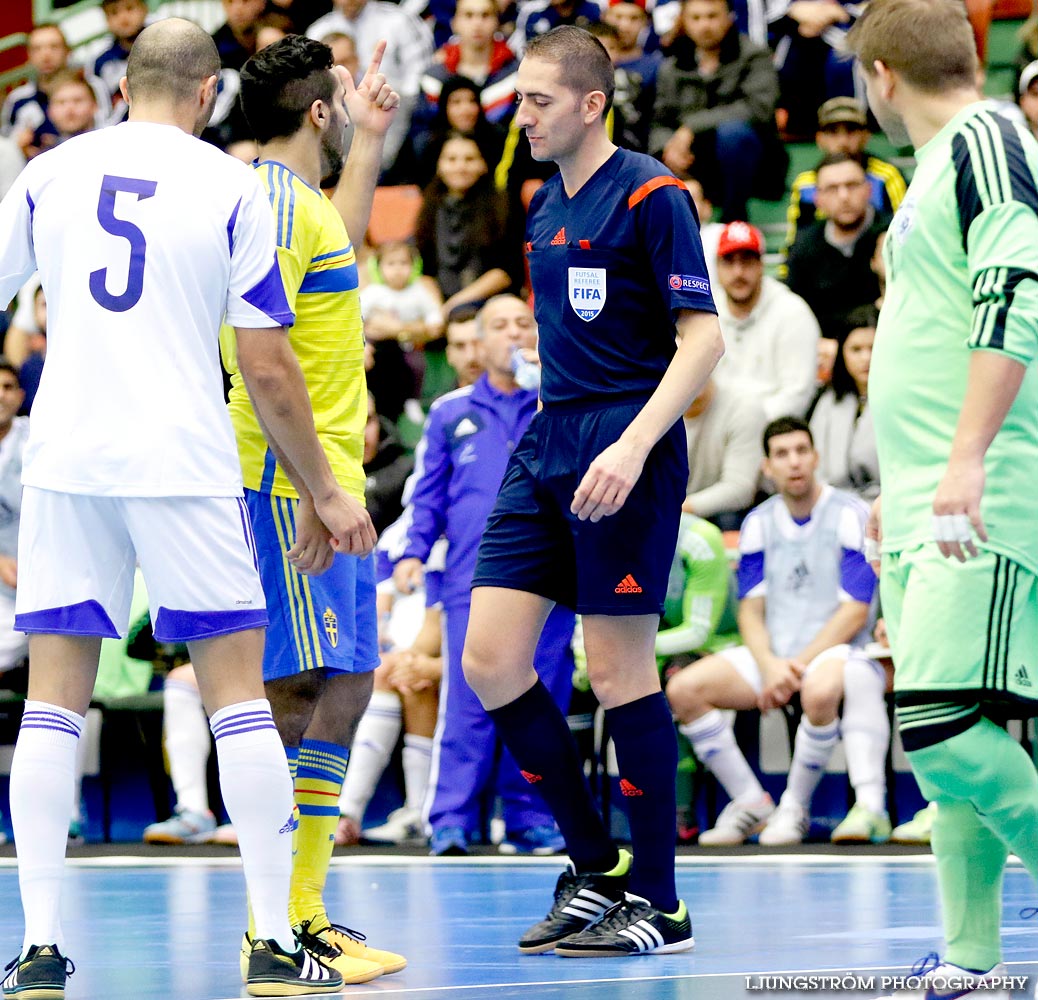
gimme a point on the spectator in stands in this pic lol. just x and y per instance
(72, 110)
(715, 107)
(25, 108)
(465, 447)
(770, 334)
(409, 49)
(843, 128)
(538, 17)
(387, 464)
(709, 231)
(458, 112)
(1027, 96)
(841, 423)
(479, 53)
(811, 60)
(464, 234)
(464, 348)
(344, 51)
(236, 37)
(401, 315)
(830, 265)
(723, 427)
(804, 587)
(125, 20)
(633, 27)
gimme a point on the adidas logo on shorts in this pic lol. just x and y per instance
(628, 585)
(1022, 677)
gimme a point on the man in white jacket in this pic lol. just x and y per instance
(770, 332)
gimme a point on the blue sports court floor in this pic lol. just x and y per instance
(140, 930)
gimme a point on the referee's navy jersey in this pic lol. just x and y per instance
(611, 267)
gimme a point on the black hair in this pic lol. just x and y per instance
(834, 159)
(280, 83)
(7, 366)
(785, 425)
(862, 318)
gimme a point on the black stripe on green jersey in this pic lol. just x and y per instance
(1021, 177)
(967, 196)
(991, 168)
(993, 292)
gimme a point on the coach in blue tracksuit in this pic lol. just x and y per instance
(459, 467)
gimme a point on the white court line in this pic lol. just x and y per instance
(381, 989)
(387, 861)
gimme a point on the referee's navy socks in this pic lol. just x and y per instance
(647, 755)
(535, 731)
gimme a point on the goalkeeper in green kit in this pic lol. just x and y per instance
(954, 392)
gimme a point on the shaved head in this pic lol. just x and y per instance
(169, 60)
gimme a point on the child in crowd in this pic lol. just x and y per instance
(401, 313)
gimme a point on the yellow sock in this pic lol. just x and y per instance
(292, 755)
(322, 767)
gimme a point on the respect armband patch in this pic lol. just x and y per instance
(688, 283)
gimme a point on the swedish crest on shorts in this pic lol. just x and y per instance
(331, 626)
(587, 291)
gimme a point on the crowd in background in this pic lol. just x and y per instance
(713, 89)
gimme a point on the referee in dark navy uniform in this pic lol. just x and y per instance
(587, 516)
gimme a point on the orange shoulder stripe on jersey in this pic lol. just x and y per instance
(648, 187)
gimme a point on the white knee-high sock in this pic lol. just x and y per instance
(377, 733)
(417, 761)
(187, 744)
(866, 732)
(257, 792)
(43, 775)
(812, 748)
(713, 740)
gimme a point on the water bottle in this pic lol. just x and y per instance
(527, 374)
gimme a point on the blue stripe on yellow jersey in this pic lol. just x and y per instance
(319, 269)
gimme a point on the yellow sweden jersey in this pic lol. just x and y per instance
(319, 270)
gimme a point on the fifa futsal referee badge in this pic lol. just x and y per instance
(587, 291)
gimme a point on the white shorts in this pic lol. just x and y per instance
(746, 667)
(77, 553)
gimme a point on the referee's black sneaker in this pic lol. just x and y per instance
(40, 975)
(276, 973)
(579, 901)
(631, 927)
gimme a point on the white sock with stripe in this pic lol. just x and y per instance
(714, 743)
(257, 792)
(43, 776)
(417, 763)
(373, 746)
(187, 744)
(812, 748)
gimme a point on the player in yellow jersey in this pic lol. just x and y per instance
(322, 645)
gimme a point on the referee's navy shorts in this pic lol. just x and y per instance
(616, 566)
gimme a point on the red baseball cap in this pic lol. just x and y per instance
(636, 3)
(738, 236)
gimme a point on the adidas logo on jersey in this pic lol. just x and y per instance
(628, 585)
(1022, 677)
(559, 239)
(531, 778)
(628, 790)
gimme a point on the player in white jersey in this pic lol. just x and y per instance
(145, 238)
(13, 432)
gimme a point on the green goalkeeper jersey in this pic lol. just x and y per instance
(962, 275)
